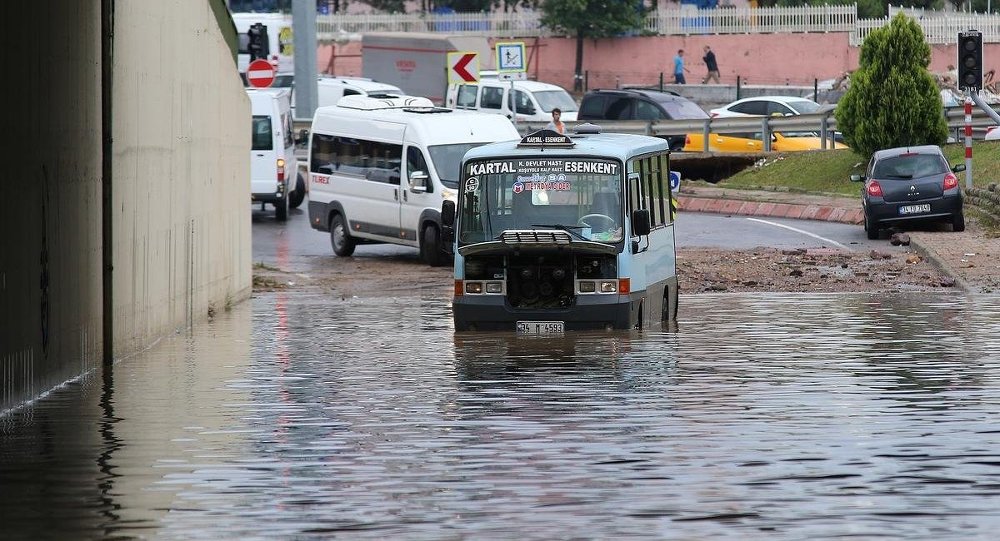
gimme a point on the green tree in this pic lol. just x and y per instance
(591, 19)
(892, 100)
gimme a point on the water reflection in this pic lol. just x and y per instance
(786, 416)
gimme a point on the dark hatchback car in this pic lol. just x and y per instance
(908, 184)
(640, 104)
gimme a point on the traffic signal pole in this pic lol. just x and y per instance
(968, 141)
(304, 40)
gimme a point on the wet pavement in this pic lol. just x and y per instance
(294, 417)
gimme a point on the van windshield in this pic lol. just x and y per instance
(447, 161)
(262, 138)
(550, 99)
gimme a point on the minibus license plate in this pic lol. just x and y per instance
(914, 209)
(540, 327)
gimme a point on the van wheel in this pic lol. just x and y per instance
(430, 247)
(958, 222)
(297, 195)
(670, 302)
(281, 209)
(340, 237)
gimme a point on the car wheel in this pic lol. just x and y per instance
(340, 237)
(958, 222)
(430, 247)
(871, 229)
(281, 210)
(297, 195)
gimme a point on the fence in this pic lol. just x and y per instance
(939, 27)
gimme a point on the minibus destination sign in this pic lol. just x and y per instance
(546, 138)
(547, 166)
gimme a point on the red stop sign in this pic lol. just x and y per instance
(260, 73)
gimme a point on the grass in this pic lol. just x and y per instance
(829, 171)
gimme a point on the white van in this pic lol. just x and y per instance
(329, 90)
(360, 151)
(277, 40)
(272, 150)
(532, 100)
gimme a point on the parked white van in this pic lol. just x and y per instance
(272, 150)
(532, 100)
(362, 149)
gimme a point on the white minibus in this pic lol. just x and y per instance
(380, 168)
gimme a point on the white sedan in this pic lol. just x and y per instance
(767, 106)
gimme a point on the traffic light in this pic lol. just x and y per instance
(257, 38)
(970, 60)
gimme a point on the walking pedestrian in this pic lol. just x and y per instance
(679, 68)
(712, 65)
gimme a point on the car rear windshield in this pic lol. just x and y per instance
(907, 166)
(262, 138)
(804, 107)
(681, 109)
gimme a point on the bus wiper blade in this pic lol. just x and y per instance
(567, 228)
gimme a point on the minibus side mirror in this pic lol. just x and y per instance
(303, 137)
(448, 214)
(640, 223)
(418, 181)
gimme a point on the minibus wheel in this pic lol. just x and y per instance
(296, 196)
(340, 237)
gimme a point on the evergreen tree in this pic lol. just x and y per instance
(892, 100)
(591, 19)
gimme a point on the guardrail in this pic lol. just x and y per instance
(823, 124)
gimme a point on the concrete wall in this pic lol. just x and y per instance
(181, 188)
(181, 220)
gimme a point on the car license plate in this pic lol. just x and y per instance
(914, 209)
(540, 327)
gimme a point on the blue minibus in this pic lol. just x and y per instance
(553, 233)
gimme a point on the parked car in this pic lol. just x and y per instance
(635, 104)
(530, 100)
(910, 183)
(752, 142)
(768, 106)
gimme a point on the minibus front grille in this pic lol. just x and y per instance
(534, 236)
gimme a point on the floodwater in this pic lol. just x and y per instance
(760, 416)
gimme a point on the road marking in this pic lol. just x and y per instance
(790, 228)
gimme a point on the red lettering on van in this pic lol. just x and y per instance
(406, 65)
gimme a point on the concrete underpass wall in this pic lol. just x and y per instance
(181, 161)
(181, 239)
(50, 197)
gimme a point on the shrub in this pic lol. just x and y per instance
(892, 100)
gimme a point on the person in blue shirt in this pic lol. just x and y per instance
(679, 68)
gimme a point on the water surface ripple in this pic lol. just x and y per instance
(760, 416)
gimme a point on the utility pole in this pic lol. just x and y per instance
(304, 41)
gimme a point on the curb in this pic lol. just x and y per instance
(938, 262)
(800, 211)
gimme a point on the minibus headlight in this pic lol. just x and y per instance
(609, 286)
(494, 287)
(587, 287)
(474, 287)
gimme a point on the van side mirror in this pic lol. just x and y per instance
(448, 213)
(303, 137)
(640, 223)
(418, 181)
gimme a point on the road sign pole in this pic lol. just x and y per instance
(968, 140)
(511, 101)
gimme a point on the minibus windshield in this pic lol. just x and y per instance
(580, 196)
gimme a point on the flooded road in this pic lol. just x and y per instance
(762, 416)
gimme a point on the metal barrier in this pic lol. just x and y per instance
(823, 124)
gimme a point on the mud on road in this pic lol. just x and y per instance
(698, 270)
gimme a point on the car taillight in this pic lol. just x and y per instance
(950, 181)
(281, 170)
(874, 189)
